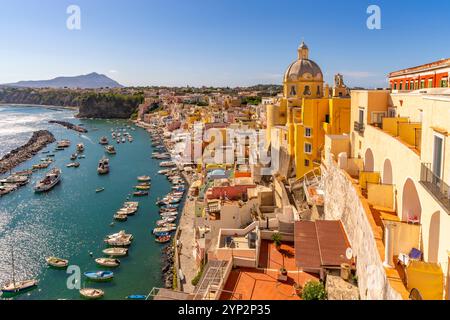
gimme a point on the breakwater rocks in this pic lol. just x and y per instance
(69, 125)
(37, 142)
(167, 266)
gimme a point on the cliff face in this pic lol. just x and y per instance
(109, 106)
(63, 98)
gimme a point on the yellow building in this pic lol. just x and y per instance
(399, 150)
(306, 112)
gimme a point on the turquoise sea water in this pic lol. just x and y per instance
(72, 219)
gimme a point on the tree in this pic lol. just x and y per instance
(314, 290)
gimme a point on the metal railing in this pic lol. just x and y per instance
(359, 127)
(435, 185)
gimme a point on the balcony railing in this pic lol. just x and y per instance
(434, 184)
(359, 127)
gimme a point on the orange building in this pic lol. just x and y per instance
(430, 75)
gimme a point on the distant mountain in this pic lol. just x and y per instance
(89, 81)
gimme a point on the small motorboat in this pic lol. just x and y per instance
(50, 180)
(108, 262)
(144, 179)
(74, 156)
(118, 242)
(103, 140)
(121, 217)
(57, 262)
(116, 252)
(136, 297)
(163, 239)
(160, 230)
(103, 166)
(142, 187)
(92, 294)
(80, 147)
(99, 190)
(120, 235)
(73, 165)
(110, 149)
(140, 193)
(99, 276)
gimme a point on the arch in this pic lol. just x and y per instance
(387, 172)
(411, 207)
(433, 237)
(369, 162)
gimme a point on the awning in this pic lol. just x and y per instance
(320, 244)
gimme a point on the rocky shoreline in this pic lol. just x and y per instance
(69, 125)
(39, 140)
(167, 263)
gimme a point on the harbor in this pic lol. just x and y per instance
(72, 220)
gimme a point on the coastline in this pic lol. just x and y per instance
(38, 105)
(38, 141)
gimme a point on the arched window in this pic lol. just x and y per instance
(293, 91)
(307, 91)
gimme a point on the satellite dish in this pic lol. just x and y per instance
(349, 253)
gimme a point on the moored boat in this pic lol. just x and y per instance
(99, 276)
(108, 262)
(103, 140)
(99, 190)
(80, 147)
(103, 166)
(73, 165)
(144, 178)
(140, 193)
(91, 293)
(50, 180)
(121, 217)
(110, 149)
(18, 286)
(116, 252)
(163, 239)
(57, 262)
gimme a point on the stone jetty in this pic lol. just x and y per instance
(69, 125)
(37, 142)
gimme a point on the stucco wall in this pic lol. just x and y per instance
(342, 202)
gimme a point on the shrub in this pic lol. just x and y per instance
(314, 290)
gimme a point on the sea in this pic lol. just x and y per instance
(71, 220)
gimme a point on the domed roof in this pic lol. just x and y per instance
(303, 69)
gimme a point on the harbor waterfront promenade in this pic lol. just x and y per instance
(71, 220)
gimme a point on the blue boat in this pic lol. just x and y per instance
(99, 275)
(136, 297)
(170, 206)
(161, 234)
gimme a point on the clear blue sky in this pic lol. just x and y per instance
(217, 42)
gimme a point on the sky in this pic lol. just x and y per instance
(218, 42)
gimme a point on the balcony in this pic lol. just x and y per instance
(438, 188)
(359, 127)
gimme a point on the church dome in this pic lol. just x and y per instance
(303, 68)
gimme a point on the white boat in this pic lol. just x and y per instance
(118, 242)
(120, 235)
(103, 166)
(144, 178)
(164, 171)
(110, 149)
(108, 262)
(92, 294)
(57, 262)
(80, 147)
(103, 140)
(50, 180)
(116, 252)
(167, 164)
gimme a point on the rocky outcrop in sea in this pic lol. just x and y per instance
(39, 140)
(69, 125)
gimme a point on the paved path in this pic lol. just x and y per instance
(187, 240)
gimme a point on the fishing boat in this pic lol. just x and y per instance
(4, 190)
(103, 166)
(163, 239)
(140, 193)
(167, 164)
(16, 287)
(127, 211)
(159, 230)
(136, 297)
(108, 262)
(23, 173)
(73, 165)
(121, 217)
(169, 215)
(120, 235)
(171, 206)
(19, 180)
(116, 252)
(99, 190)
(166, 210)
(63, 144)
(92, 294)
(118, 242)
(165, 221)
(57, 262)
(80, 147)
(142, 187)
(144, 178)
(103, 140)
(50, 180)
(110, 149)
(99, 276)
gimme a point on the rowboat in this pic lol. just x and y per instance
(163, 239)
(108, 262)
(140, 193)
(57, 262)
(92, 294)
(142, 187)
(99, 190)
(144, 178)
(73, 165)
(116, 252)
(18, 286)
(136, 297)
(99, 276)
(120, 217)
